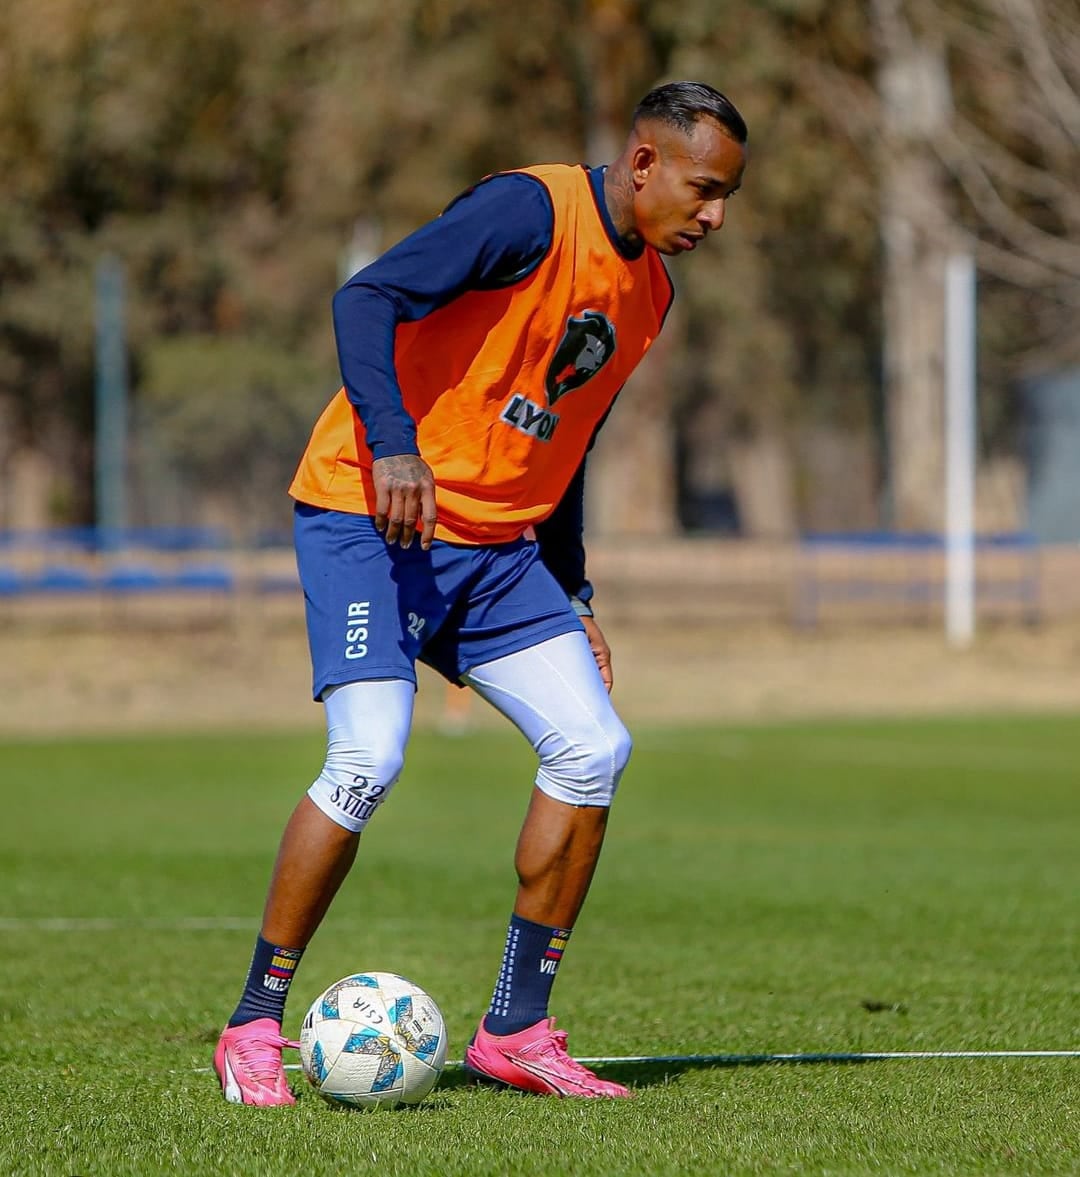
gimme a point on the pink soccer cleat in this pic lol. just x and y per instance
(248, 1063)
(535, 1059)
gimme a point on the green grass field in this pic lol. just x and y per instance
(807, 888)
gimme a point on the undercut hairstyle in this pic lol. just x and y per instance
(682, 104)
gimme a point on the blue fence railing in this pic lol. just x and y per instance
(94, 539)
(907, 570)
(834, 571)
(142, 560)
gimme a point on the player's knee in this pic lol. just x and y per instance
(585, 770)
(354, 782)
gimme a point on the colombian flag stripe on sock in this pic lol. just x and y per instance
(557, 945)
(283, 963)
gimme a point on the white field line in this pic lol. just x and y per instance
(827, 1056)
(734, 1060)
(212, 923)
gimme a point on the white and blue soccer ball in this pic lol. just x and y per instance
(373, 1039)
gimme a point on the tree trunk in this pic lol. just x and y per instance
(914, 298)
(630, 487)
(630, 483)
(915, 231)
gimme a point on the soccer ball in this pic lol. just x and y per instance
(373, 1039)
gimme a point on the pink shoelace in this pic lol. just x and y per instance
(555, 1047)
(260, 1055)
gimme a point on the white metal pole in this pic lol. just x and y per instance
(960, 450)
(110, 401)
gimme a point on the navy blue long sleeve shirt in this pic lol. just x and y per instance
(491, 236)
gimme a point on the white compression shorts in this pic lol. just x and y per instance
(552, 693)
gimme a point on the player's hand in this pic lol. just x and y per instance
(404, 499)
(600, 650)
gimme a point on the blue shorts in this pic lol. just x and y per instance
(374, 608)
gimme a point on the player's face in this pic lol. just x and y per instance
(682, 184)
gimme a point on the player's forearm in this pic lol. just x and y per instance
(365, 320)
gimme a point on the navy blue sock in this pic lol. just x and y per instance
(268, 981)
(530, 962)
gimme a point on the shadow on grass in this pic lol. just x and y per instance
(655, 1070)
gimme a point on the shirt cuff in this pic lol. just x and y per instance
(580, 607)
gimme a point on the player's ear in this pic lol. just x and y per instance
(643, 161)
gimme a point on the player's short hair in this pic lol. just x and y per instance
(682, 104)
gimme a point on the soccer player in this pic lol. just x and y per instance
(479, 357)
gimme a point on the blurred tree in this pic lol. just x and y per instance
(971, 117)
(782, 328)
(916, 231)
(121, 129)
(1013, 150)
(631, 475)
(227, 154)
(225, 412)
